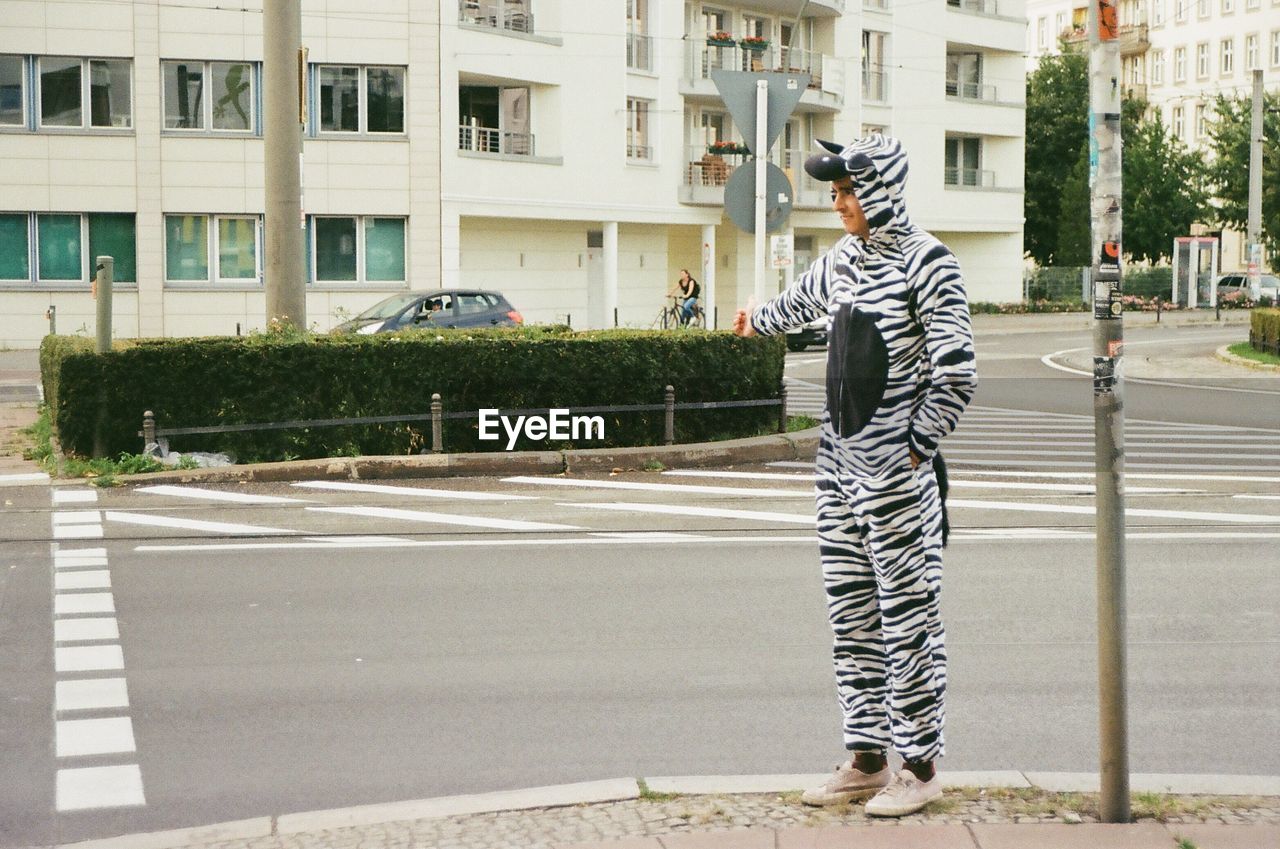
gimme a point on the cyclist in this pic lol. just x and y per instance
(686, 290)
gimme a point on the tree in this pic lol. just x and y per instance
(1164, 190)
(1057, 121)
(1229, 170)
(1074, 237)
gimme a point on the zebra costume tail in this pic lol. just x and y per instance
(940, 472)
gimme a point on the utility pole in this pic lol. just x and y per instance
(762, 157)
(284, 111)
(1255, 190)
(1108, 404)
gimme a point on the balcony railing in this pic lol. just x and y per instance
(513, 15)
(969, 177)
(982, 7)
(704, 168)
(639, 52)
(970, 90)
(876, 5)
(1134, 38)
(641, 152)
(489, 140)
(705, 58)
(875, 83)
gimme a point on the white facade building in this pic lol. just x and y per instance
(1178, 55)
(565, 153)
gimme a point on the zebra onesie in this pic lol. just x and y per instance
(900, 371)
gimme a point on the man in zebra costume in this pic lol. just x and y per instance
(900, 371)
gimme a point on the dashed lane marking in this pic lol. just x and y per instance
(1137, 512)
(692, 510)
(664, 487)
(75, 496)
(1066, 489)
(216, 495)
(191, 524)
(414, 491)
(446, 519)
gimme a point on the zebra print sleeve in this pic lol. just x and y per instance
(806, 299)
(952, 374)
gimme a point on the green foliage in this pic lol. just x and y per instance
(102, 470)
(1156, 281)
(1164, 190)
(798, 423)
(992, 308)
(1229, 131)
(1247, 352)
(1075, 241)
(1264, 330)
(291, 376)
(1057, 122)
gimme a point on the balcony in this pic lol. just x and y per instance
(875, 5)
(875, 84)
(475, 139)
(971, 91)
(1135, 91)
(707, 172)
(826, 74)
(639, 152)
(1134, 39)
(508, 15)
(978, 7)
(968, 178)
(639, 52)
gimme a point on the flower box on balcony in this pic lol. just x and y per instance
(751, 43)
(720, 39)
(727, 148)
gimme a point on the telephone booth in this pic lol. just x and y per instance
(1195, 267)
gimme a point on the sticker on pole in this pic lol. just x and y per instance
(1104, 375)
(1106, 283)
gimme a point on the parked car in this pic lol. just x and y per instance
(1235, 286)
(813, 333)
(442, 308)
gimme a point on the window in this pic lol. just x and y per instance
(1227, 57)
(233, 241)
(1250, 5)
(1204, 8)
(639, 44)
(350, 249)
(964, 76)
(638, 129)
(1060, 24)
(1157, 12)
(513, 15)
(15, 247)
(60, 251)
(1251, 62)
(113, 234)
(1180, 10)
(1228, 6)
(1042, 28)
(227, 105)
(1178, 122)
(68, 84)
(1202, 60)
(494, 120)
(1157, 67)
(357, 99)
(963, 162)
(1133, 70)
(1200, 125)
(1179, 64)
(1275, 48)
(59, 257)
(13, 91)
(875, 78)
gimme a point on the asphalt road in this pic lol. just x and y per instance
(287, 648)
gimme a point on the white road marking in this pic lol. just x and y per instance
(84, 630)
(648, 536)
(763, 476)
(1140, 512)
(91, 788)
(689, 510)
(356, 538)
(26, 477)
(70, 604)
(90, 694)
(216, 495)
(77, 531)
(1259, 497)
(1228, 445)
(94, 579)
(1077, 464)
(75, 496)
(1048, 360)
(545, 542)
(1140, 475)
(1238, 454)
(68, 553)
(106, 736)
(996, 433)
(87, 658)
(76, 517)
(1072, 489)
(191, 524)
(446, 519)
(78, 562)
(664, 487)
(414, 492)
(1089, 536)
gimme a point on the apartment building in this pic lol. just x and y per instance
(572, 155)
(1178, 55)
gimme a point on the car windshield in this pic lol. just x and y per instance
(389, 308)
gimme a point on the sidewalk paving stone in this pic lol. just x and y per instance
(1086, 836)
(906, 837)
(1212, 836)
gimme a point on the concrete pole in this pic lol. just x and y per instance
(103, 283)
(762, 174)
(283, 103)
(1108, 404)
(611, 274)
(709, 273)
(1255, 190)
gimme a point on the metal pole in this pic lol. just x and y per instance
(283, 101)
(52, 315)
(1255, 191)
(782, 409)
(762, 158)
(148, 429)
(669, 423)
(1108, 404)
(437, 424)
(106, 267)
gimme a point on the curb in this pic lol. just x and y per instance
(1227, 357)
(624, 789)
(755, 449)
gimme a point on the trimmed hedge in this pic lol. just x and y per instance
(275, 378)
(1264, 331)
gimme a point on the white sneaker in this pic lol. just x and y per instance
(846, 784)
(906, 794)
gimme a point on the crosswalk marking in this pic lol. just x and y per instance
(1071, 489)
(215, 495)
(85, 629)
(191, 524)
(75, 496)
(414, 491)
(76, 738)
(446, 519)
(664, 487)
(90, 694)
(87, 658)
(690, 510)
(92, 788)
(1139, 512)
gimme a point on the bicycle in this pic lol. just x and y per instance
(670, 316)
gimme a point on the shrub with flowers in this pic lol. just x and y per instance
(754, 42)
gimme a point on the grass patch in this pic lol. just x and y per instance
(1184, 843)
(795, 423)
(101, 471)
(653, 466)
(1245, 351)
(1034, 802)
(649, 795)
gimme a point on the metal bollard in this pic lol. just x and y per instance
(103, 284)
(52, 315)
(782, 409)
(669, 428)
(148, 429)
(437, 424)
(1159, 305)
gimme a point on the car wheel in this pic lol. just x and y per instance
(796, 345)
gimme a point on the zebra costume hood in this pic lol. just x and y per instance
(877, 166)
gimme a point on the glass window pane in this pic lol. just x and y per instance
(112, 234)
(59, 238)
(386, 100)
(232, 96)
(237, 249)
(11, 91)
(340, 99)
(15, 258)
(186, 241)
(384, 249)
(110, 97)
(60, 92)
(335, 249)
(183, 95)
